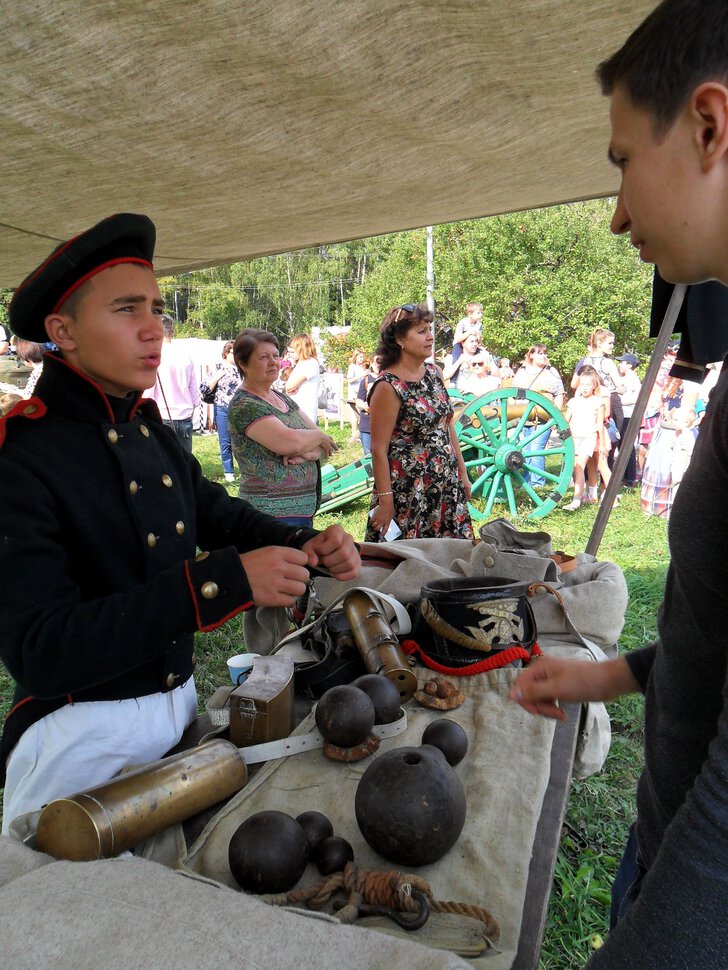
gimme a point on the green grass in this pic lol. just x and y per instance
(602, 807)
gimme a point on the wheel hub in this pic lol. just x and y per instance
(509, 459)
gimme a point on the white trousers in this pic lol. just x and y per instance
(83, 745)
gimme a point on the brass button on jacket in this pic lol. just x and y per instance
(166, 481)
(30, 409)
(209, 590)
(112, 435)
(133, 487)
(151, 540)
(201, 556)
(180, 527)
(144, 430)
(170, 680)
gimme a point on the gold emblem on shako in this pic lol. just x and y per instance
(500, 623)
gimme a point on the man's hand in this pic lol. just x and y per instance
(549, 680)
(277, 574)
(334, 550)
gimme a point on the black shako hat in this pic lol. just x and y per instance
(123, 238)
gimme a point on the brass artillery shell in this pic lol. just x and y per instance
(377, 644)
(110, 818)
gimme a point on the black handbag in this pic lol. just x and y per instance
(207, 394)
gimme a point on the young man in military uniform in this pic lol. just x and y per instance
(669, 113)
(102, 515)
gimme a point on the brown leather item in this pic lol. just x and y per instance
(261, 709)
(564, 562)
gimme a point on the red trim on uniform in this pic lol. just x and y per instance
(19, 705)
(99, 269)
(54, 255)
(20, 410)
(214, 626)
(198, 618)
(92, 382)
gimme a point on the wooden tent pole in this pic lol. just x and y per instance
(630, 434)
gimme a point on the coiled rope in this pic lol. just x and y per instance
(391, 890)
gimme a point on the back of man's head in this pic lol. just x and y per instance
(168, 326)
(681, 44)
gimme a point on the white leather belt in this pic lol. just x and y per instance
(298, 743)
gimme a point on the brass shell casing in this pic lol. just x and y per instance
(110, 818)
(377, 644)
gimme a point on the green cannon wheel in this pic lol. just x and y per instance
(495, 431)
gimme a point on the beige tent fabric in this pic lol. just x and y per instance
(139, 915)
(252, 128)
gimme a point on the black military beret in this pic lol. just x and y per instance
(123, 238)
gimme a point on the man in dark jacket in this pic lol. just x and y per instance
(102, 516)
(669, 113)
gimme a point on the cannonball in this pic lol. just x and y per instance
(268, 853)
(384, 695)
(449, 737)
(345, 716)
(410, 805)
(317, 828)
(332, 855)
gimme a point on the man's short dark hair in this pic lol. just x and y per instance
(681, 44)
(168, 325)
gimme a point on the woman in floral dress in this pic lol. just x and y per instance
(419, 474)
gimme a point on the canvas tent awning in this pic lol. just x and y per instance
(245, 128)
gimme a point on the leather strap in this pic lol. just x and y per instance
(256, 753)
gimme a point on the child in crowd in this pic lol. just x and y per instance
(586, 414)
(472, 323)
(506, 372)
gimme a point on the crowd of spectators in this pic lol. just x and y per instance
(604, 391)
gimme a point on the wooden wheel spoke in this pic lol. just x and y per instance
(497, 479)
(533, 494)
(510, 495)
(522, 421)
(536, 432)
(482, 479)
(542, 472)
(478, 443)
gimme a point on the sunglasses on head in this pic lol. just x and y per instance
(409, 307)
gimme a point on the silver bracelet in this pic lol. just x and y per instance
(384, 493)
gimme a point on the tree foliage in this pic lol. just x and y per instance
(547, 275)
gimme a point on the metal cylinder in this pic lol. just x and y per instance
(377, 644)
(110, 818)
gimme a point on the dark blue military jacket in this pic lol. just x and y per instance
(102, 516)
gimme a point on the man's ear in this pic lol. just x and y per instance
(709, 108)
(59, 328)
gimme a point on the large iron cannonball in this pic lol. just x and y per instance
(345, 716)
(384, 695)
(410, 805)
(268, 853)
(449, 737)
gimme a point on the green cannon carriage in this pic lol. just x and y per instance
(496, 433)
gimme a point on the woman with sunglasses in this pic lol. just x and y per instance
(419, 473)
